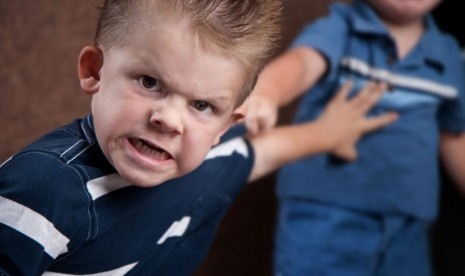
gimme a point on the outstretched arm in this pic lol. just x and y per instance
(283, 80)
(337, 131)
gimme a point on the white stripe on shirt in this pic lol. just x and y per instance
(33, 225)
(177, 229)
(228, 148)
(103, 185)
(363, 68)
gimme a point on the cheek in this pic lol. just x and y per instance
(201, 142)
(113, 119)
(205, 135)
(197, 145)
(115, 105)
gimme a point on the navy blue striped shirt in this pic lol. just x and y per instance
(65, 211)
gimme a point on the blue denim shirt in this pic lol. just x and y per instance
(64, 209)
(397, 169)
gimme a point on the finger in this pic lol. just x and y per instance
(380, 121)
(360, 99)
(267, 124)
(348, 154)
(252, 125)
(343, 92)
(352, 156)
(373, 97)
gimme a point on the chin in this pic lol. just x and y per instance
(144, 181)
(150, 183)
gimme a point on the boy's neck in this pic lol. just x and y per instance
(406, 36)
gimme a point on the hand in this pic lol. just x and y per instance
(262, 114)
(345, 122)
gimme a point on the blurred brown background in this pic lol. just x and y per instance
(39, 90)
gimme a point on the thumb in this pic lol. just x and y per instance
(346, 153)
(351, 154)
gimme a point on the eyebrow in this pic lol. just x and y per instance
(147, 65)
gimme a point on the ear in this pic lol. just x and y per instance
(236, 117)
(89, 65)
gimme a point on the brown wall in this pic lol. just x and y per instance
(39, 46)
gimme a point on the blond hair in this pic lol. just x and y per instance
(246, 30)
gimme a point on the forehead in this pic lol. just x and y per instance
(169, 51)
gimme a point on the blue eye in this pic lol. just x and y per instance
(150, 83)
(201, 105)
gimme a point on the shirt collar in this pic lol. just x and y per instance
(432, 50)
(87, 126)
(365, 20)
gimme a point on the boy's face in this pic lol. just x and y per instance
(403, 11)
(160, 102)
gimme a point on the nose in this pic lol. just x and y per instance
(167, 119)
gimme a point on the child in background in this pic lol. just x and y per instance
(369, 217)
(167, 79)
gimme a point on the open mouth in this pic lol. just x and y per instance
(149, 149)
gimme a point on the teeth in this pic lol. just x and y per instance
(151, 151)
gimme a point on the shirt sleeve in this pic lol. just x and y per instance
(223, 174)
(34, 211)
(328, 35)
(452, 112)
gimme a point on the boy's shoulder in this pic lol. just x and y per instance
(57, 141)
(55, 167)
(450, 45)
(51, 155)
(442, 48)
